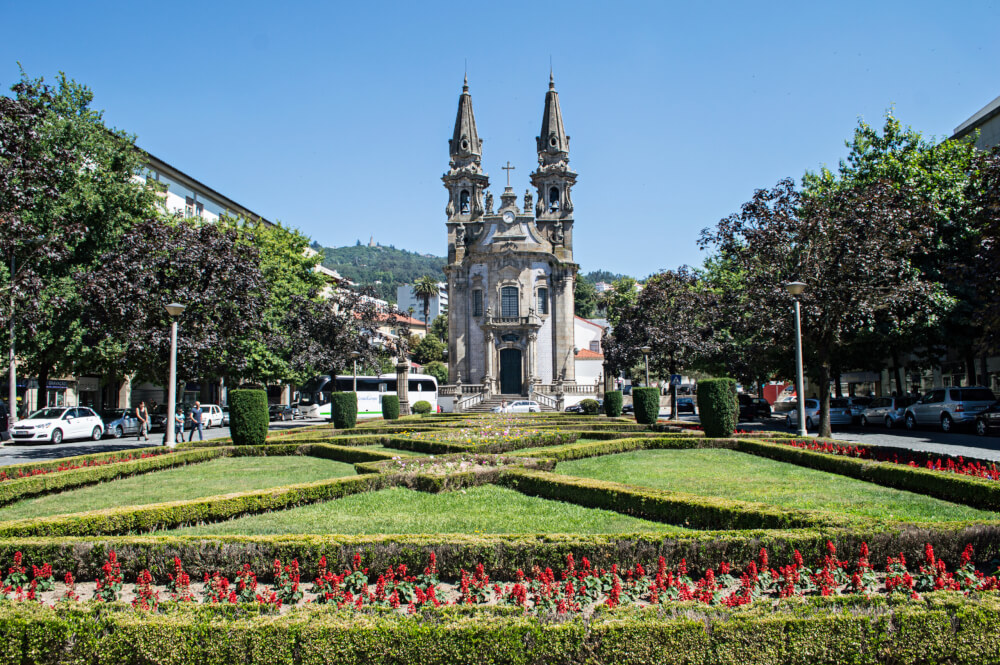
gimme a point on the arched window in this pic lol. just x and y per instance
(553, 199)
(463, 202)
(543, 301)
(477, 302)
(508, 301)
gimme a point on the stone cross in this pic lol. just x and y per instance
(508, 169)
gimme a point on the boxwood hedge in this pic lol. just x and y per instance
(248, 417)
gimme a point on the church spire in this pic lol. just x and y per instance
(552, 142)
(465, 146)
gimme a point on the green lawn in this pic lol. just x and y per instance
(484, 509)
(394, 451)
(735, 475)
(545, 448)
(221, 476)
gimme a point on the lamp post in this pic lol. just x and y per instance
(645, 356)
(354, 356)
(169, 439)
(12, 404)
(795, 289)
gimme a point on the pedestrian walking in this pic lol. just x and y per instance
(178, 426)
(142, 415)
(195, 417)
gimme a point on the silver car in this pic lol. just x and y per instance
(947, 407)
(840, 413)
(888, 411)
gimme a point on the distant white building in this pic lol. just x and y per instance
(589, 356)
(406, 298)
(601, 287)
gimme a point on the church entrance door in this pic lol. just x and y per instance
(510, 371)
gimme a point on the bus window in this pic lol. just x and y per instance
(382, 387)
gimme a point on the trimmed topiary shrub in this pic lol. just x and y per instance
(422, 407)
(717, 406)
(647, 405)
(390, 407)
(344, 410)
(590, 407)
(613, 403)
(248, 417)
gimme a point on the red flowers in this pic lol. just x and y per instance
(65, 466)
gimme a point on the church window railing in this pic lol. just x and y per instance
(543, 301)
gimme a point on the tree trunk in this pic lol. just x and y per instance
(43, 387)
(898, 375)
(970, 368)
(838, 391)
(824, 400)
(673, 392)
(983, 370)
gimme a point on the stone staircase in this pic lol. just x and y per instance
(487, 405)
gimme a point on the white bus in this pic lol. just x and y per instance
(314, 396)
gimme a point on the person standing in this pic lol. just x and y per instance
(195, 417)
(142, 415)
(178, 426)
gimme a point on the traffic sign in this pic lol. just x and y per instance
(675, 379)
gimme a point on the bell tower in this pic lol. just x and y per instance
(553, 179)
(465, 181)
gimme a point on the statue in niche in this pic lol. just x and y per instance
(528, 198)
(557, 232)
(460, 235)
(489, 203)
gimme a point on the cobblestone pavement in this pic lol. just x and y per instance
(21, 453)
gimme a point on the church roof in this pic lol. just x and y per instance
(552, 138)
(465, 139)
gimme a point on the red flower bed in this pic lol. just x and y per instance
(959, 465)
(69, 466)
(577, 588)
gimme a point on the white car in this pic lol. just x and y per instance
(840, 413)
(520, 406)
(211, 415)
(58, 424)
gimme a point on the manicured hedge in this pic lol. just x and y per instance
(574, 451)
(422, 407)
(687, 510)
(390, 407)
(612, 403)
(718, 409)
(248, 417)
(344, 410)
(590, 407)
(502, 554)
(647, 405)
(949, 629)
(15, 490)
(967, 490)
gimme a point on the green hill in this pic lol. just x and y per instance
(382, 268)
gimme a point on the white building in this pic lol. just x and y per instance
(589, 356)
(406, 298)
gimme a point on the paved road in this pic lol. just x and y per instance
(20, 453)
(962, 442)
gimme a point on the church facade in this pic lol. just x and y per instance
(510, 270)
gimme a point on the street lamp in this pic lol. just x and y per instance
(354, 356)
(795, 289)
(645, 356)
(174, 310)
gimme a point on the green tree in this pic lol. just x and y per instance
(438, 370)
(426, 288)
(619, 299)
(584, 298)
(88, 211)
(439, 327)
(428, 349)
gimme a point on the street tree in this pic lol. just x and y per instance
(426, 288)
(584, 298)
(856, 250)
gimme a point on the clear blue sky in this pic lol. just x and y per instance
(334, 117)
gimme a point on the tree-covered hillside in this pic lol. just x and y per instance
(382, 268)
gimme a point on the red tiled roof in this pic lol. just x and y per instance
(596, 325)
(587, 354)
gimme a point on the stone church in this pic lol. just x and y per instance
(510, 269)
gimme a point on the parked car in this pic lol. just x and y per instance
(578, 408)
(628, 408)
(858, 406)
(58, 424)
(685, 405)
(211, 415)
(840, 413)
(948, 407)
(284, 412)
(988, 419)
(519, 406)
(752, 407)
(888, 411)
(119, 422)
(225, 416)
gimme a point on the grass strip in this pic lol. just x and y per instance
(687, 510)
